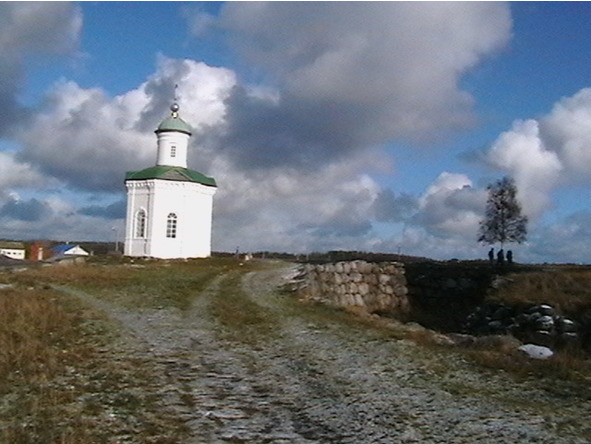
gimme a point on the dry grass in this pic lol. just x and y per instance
(563, 374)
(62, 379)
(40, 338)
(567, 290)
(146, 284)
(34, 333)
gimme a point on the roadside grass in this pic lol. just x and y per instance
(62, 380)
(562, 367)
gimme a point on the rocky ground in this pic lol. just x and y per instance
(304, 374)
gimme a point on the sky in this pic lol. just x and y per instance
(372, 126)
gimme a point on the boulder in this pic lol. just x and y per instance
(536, 351)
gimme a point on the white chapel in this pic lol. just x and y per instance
(169, 207)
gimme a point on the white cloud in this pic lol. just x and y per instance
(536, 170)
(88, 139)
(394, 66)
(567, 131)
(14, 174)
(451, 207)
(547, 153)
(291, 210)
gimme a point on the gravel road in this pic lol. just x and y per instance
(319, 379)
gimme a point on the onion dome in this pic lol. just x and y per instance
(174, 122)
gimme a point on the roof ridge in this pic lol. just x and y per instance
(160, 172)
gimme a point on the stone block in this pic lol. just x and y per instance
(384, 278)
(358, 300)
(391, 269)
(371, 279)
(403, 305)
(364, 267)
(400, 290)
(363, 289)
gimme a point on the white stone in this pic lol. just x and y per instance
(359, 300)
(536, 351)
(384, 279)
(363, 289)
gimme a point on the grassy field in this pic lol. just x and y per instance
(63, 375)
(45, 340)
(567, 289)
(55, 351)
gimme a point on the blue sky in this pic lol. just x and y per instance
(373, 126)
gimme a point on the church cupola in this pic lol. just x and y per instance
(173, 139)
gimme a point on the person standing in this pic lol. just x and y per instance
(501, 257)
(491, 256)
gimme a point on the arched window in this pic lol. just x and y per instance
(171, 225)
(140, 224)
(173, 151)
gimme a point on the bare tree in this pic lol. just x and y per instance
(503, 221)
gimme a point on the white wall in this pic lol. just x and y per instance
(191, 202)
(14, 253)
(166, 140)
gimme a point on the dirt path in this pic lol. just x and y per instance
(314, 378)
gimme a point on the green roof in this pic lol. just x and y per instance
(174, 123)
(171, 173)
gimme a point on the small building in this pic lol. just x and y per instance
(12, 249)
(69, 250)
(169, 207)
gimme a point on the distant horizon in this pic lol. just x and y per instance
(311, 253)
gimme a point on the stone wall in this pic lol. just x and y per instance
(358, 285)
(438, 296)
(442, 295)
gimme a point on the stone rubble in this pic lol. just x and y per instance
(538, 324)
